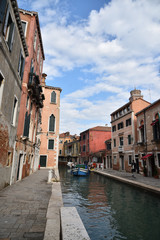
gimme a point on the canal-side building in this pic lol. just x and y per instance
(72, 150)
(92, 144)
(26, 155)
(13, 51)
(49, 132)
(147, 147)
(124, 132)
(65, 138)
(107, 161)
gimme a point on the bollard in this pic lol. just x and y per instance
(50, 173)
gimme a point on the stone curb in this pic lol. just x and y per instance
(127, 181)
(52, 231)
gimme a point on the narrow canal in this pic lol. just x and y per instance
(111, 210)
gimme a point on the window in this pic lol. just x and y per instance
(21, 65)
(114, 142)
(129, 159)
(60, 151)
(114, 128)
(24, 27)
(120, 125)
(158, 159)
(26, 125)
(3, 5)
(121, 141)
(43, 161)
(41, 63)
(52, 123)
(128, 122)
(129, 139)
(9, 159)
(141, 128)
(9, 29)
(60, 141)
(14, 111)
(50, 144)
(84, 137)
(156, 128)
(53, 97)
(1, 86)
(84, 148)
(38, 51)
(35, 40)
(114, 160)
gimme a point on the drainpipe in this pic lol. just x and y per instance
(145, 131)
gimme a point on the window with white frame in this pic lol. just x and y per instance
(9, 29)
(21, 65)
(114, 159)
(14, 111)
(24, 27)
(51, 144)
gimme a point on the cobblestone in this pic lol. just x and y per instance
(23, 208)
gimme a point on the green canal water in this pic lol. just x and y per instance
(112, 210)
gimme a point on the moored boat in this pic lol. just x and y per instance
(80, 170)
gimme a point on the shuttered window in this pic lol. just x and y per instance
(50, 144)
(26, 125)
(53, 97)
(21, 65)
(52, 123)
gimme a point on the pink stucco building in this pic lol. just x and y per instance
(49, 132)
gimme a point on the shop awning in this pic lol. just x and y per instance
(146, 156)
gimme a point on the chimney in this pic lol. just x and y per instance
(135, 94)
(43, 81)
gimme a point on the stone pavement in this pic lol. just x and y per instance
(147, 183)
(23, 208)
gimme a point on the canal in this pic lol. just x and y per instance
(111, 210)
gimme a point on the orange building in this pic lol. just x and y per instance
(49, 134)
(124, 132)
(26, 154)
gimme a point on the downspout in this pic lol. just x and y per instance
(145, 132)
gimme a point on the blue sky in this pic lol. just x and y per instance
(97, 51)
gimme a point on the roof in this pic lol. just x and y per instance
(146, 108)
(98, 128)
(38, 26)
(17, 16)
(53, 88)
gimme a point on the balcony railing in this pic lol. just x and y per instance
(120, 149)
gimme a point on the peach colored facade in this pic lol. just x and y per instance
(148, 145)
(124, 132)
(26, 155)
(49, 134)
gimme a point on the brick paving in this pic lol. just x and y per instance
(23, 208)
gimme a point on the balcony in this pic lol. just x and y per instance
(121, 149)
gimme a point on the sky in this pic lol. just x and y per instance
(97, 51)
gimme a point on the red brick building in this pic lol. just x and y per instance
(26, 154)
(92, 143)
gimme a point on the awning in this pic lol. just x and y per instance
(146, 156)
(154, 122)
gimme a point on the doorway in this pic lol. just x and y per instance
(19, 170)
(43, 161)
(122, 162)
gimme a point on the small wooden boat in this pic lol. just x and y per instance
(80, 170)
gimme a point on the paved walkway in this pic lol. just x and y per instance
(23, 208)
(148, 183)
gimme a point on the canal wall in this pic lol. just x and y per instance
(63, 222)
(134, 183)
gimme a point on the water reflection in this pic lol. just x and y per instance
(112, 210)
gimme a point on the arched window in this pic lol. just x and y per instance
(52, 123)
(53, 97)
(156, 127)
(141, 128)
